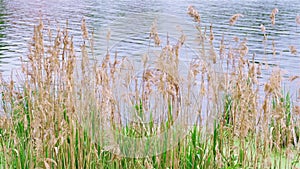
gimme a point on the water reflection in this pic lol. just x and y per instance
(3, 26)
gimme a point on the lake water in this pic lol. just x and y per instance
(130, 20)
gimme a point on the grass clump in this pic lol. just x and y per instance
(69, 111)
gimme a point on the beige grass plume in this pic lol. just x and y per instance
(292, 78)
(84, 29)
(297, 19)
(272, 16)
(297, 110)
(263, 28)
(293, 50)
(211, 35)
(194, 13)
(234, 18)
(154, 34)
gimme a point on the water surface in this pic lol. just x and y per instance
(130, 20)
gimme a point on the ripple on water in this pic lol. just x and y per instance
(18, 17)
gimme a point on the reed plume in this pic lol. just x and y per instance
(194, 14)
(234, 18)
(297, 19)
(263, 28)
(293, 50)
(154, 34)
(272, 15)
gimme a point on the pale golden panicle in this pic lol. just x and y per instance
(234, 18)
(263, 28)
(272, 16)
(273, 48)
(230, 53)
(297, 19)
(236, 39)
(275, 11)
(258, 71)
(297, 110)
(211, 35)
(243, 50)
(84, 29)
(154, 34)
(148, 164)
(108, 35)
(293, 50)
(179, 44)
(213, 54)
(274, 84)
(252, 70)
(194, 68)
(194, 13)
(222, 48)
(5, 122)
(145, 59)
(292, 78)
(181, 39)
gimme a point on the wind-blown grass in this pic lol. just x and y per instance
(68, 104)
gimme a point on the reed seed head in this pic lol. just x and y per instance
(272, 15)
(154, 34)
(84, 29)
(194, 14)
(297, 110)
(297, 19)
(263, 28)
(234, 18)
(292, 78)
(293, 50)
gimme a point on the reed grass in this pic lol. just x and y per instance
(69, 107)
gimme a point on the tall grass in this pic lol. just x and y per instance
(70, 109)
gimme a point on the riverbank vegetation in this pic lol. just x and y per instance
(70, 109)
